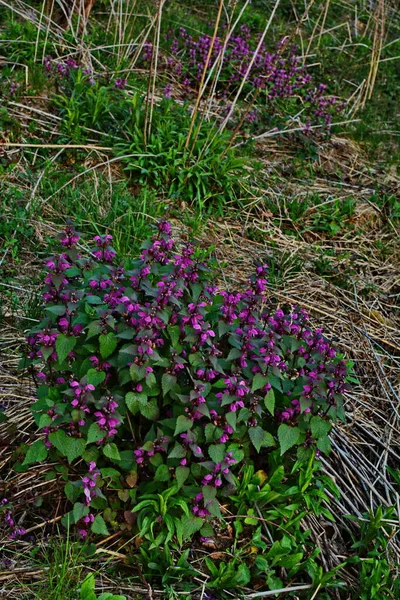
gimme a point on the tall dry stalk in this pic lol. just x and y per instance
(203, 75)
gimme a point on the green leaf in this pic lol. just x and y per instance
(324, 444)
(64, 345)
(260, 438)
(162, 473)
(99, 526)
(216, 452)
(150, 410)
(288, 437)
(319, 427)
(72, 491)
(56, 310)
(191, 524)
(44, 421)
(174, 333)
(68, 446)
(108, 343)
(95, 377)
(258, 382)
(79, 511)
(269, 401)
(36, 453)
(182, 473)
(178, 451)
(231, 418)
(95, 434)
(87, 588)
(111, 451)
(135, 401)
(183, 424)
(168, 382)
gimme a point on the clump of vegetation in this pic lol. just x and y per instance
(161, 383)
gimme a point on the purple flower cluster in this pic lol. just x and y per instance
(279, 74)
(89, 482)
(15, 531)
(193, 364)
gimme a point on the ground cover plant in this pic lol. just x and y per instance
(206, 404)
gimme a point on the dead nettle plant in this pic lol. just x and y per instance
(150, 378)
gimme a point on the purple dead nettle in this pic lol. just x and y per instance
(278, 74)
(225, 342)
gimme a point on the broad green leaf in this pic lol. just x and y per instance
(162, 473)
(260, 438)
(216, 452)
(134, 401)
(79, 511)
(95, 434)
(168, 382)
(259, 381)
(269, 401)
(68, 446)
(64, 345)
(36, 453)
(288, 436)
(95, 377)
(99, 526)
(191, 524)
(108, 343)
(183, 424)
(178, 451)
(111, 451)
(182, 473)
(72, 491)
(150, 410)
(56, 310)
(324, 444)
(319, 427)
(87, 588)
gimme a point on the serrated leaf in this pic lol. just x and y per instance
(182, 473)
(79, 511)
(287, 436)
(259, 381)
(56, 310)
(95, 377)
(68, 446)
(216, 452)
(178, 451)
(108, 343)
(183, 424)
(168, 382)
(231, 418)
(111, 451)
(64, 345)
(191, 524)
(150, 410)
(99, 526)
(269, 401)
(44, 421)
(319, 427)
(36, 453)
(134, 401)
(72, 492)
(174, 333)
(87, 588)
(162, 473)
(260, 438)
(95, 434)
(324, 444)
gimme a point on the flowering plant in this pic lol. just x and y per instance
(277, 76)
(150, 377)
